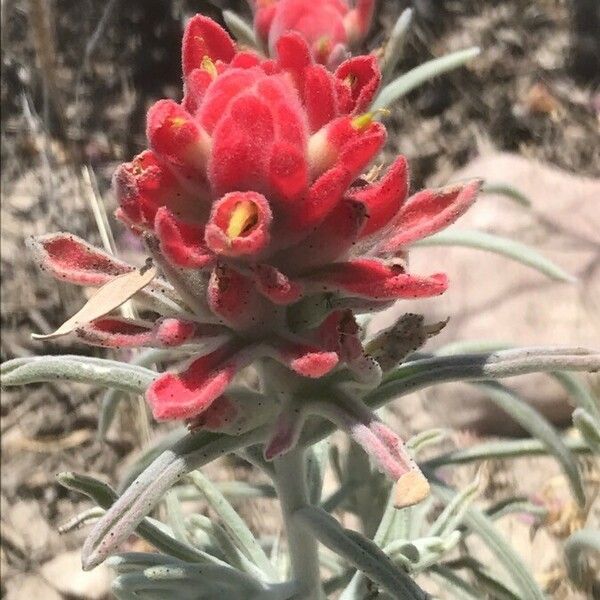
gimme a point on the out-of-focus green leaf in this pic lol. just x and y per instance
(512, 249)
(421, 74)
(238, 531)
(360, 552)
(503, 189)
(395, 44)
(482, 526)
(242, 32)
(588, 428)
(580, 393)
(500, 450)
(533, 422)
(81, 369)
(105, 496)
(577, 546)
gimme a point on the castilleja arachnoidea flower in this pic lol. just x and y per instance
(253, 203)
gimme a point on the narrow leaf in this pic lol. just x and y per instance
(241, 31)
(81, 369)
(419, 75)
(579, 393)
(421, 373)
(395, 44)
(512, 249)
(233, 523)
(576, 547)
(482, 526)
(588, 428)
(105, 496)
(106, 299)
(499, 450)
(533, 422)
(503, 189)
(360, 552)
(139, 499)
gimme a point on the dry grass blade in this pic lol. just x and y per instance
(109, 297)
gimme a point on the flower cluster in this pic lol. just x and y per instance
(252, 201)
(329, 26)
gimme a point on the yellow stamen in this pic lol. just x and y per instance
(243, 217)
(177, 122)
(209, 66)
(323, 45)
(350, 80)
(363, 121)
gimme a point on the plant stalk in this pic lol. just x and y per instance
(290, 481)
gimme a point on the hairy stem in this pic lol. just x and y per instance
(290, 481)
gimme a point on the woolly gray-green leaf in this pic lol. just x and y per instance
(533, 422)
(588, 428)
(138, 500)
(576, 548)
(500, 450)
(503, 189)
(241, 30)
(360, 552)
(421, 74)
(238, 531)
(395, 44)
(81, 369)
(482, 526)
(497, 244)
(105, 497)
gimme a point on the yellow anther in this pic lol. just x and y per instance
(177, 122)
(363, 121)
(323, 45)
(350, 80)
(209, 66)
(243, 217)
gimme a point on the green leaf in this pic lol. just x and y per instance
(360, 552)
(580, 393)
(241, 31)
(503, 189)
(452, 515)
(395, 44)
(421, 74)
(105, 496)
(316, 464)
(421, 373)
(499, 450)
(462, 589)
(480, 240)
(234, 525)
(112, 397)
(533, 422)
(139, 499)
(482, 526)
(82, 369)
(588, 428)
(576, 547)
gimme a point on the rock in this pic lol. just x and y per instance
(30, 586)
(37, 538)
(66, 575)
(493, 298)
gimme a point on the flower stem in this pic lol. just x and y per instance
(290, 481)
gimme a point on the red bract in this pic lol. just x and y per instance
(329, 26)
(252, 202)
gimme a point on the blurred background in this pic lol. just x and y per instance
(77, 78)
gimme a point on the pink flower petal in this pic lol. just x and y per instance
(72, 259)
(367, 278)
(430, 211)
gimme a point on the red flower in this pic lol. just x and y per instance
(329, 26)
(251, 201)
